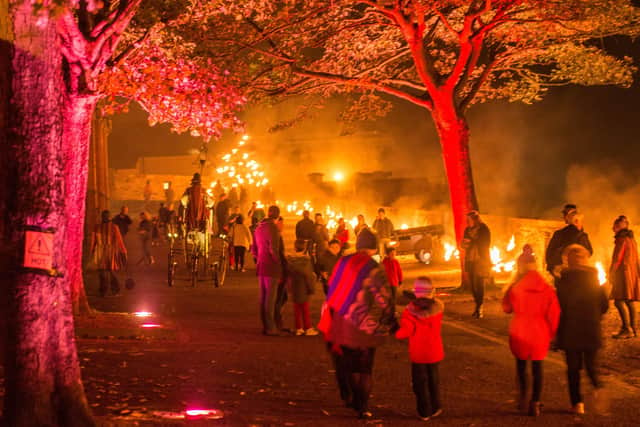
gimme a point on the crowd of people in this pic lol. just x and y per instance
(360, 290)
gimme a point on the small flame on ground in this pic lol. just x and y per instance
(602, 275)
(512, 243)
(450, 251)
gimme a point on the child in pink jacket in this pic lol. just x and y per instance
(421, 323)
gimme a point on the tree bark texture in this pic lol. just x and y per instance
(78, 112)
(43, 385)
(453, 131)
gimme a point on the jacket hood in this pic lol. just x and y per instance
(625, 232)
(422, 308)
(532, 281)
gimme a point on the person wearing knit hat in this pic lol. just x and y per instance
(366, 240)
(421, 323)
(572, 233)
(536, 312)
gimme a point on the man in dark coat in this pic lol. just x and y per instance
(571, 234)
(305, 228)
(583, 302)
(267, 251)
(222, 213)
(123, 221)
(477, 259)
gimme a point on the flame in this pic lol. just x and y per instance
(602, 275)
(450, 251)
(512, 243)
(496, 260)
(404, 227)
(143, 314)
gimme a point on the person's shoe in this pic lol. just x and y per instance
(534, 409)
(152, 261)
(299, 332)
(437, 413)
(480, 314)
(243, 270)
(424, 418)
(578, 408)
(475, 314)
(623, 334)
(311, 332)
(365, 415)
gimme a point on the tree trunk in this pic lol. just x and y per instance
(43, 384)
(78, 112)
(453, 131)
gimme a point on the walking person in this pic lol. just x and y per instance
(147, 193)
(300, 282)
(109, 253)
(222, 213)
(123, 221)
(394, 272)
(623, 275)
(145, 231)
(242, 241)
(384, 230)
(342, 234)
(320, 236)
(267, 251)
(356, 318)
(421, 323)
(583, 302)
(477, 260)
(572, 233)
(536, 313)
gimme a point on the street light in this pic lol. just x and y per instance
(338, 176)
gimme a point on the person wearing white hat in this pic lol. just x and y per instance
(421, 323)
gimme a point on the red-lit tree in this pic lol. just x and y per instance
(53, 56)
(149, 67)
(442, 55)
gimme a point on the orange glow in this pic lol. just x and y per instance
(338, 176)
(143, 313)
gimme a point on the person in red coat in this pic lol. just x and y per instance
(394, 272)
(625, 277)
(342, 234)
(536, 313)
(421, 323)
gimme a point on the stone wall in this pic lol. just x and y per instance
(128, 184)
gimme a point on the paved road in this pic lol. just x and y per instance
(211, 354)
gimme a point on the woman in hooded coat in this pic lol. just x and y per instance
(624, 278)
(536, 313)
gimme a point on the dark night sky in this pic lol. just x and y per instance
(522, 154)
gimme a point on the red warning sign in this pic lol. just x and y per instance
(38, 250)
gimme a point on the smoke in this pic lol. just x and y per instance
(602, 192)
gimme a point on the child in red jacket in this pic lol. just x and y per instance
(421, 322)
(394, 272)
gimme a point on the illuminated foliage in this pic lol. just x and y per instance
(441, 55)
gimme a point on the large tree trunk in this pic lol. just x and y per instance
(454, 139)
(78, 112)
(43, 384)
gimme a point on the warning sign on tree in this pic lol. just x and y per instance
(38, 250)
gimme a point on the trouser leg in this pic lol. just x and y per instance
(434, 386)
(113, 281)
(574, 365)
(477, 288)
(103, 280)
(297, 308)
(521, 374)
(632, 314)
(306, 315)
(622, 310)
(590, 363)
(419, 383)
(536, 373)
(241, 256)
(342, 375)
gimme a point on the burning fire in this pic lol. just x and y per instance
(450, 251)
(404, 227)
(602, 275)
